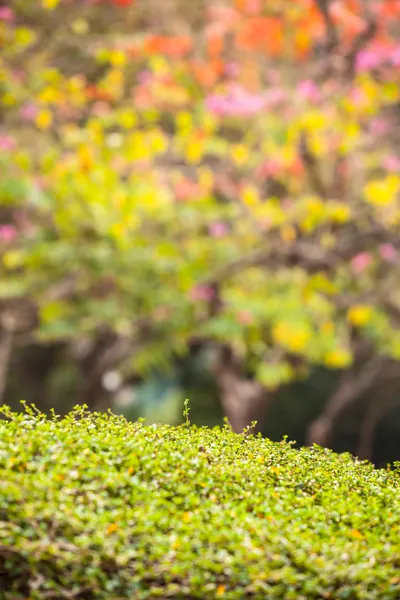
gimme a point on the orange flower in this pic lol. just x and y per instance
(95, 93)
(262, 34)
(215, 44)
(207, 73)
(390, 8)
(174, 46)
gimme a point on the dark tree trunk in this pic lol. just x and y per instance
(6, 342)
(107, 352)
(243, 400)
(381, 400)
(353, 384)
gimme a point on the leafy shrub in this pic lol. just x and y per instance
(217, 161)
(93, 506)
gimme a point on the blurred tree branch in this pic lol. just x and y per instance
(332, 37)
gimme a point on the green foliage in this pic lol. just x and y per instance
(95, 507)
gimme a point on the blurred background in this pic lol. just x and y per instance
(200, 199)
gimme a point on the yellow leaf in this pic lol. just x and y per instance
(382, 192)
(315, 206)
(85, 158)
(118, 230)
(194, 151)
(49, 95)
(24, 36)
(8, 99)
(159, 141)
(221, 590)
(205, 178)
(339, 212)
(359, 314)
(117, 58)
(356, 534)
(112, 528)
(159, 65)
(390, 92)
(291, 336)
(80, 26)
(327, 328)
(13, 259)
(250, 195)
(127, 119)
(209, 123)
(288, 233)
(270, 213)
(338, 358)
(240, 154)
(50, 4)
(184, 121)
(321, 283)
(314, 120)
(52, 311)
(44, 119)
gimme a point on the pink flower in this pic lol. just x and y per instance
(19, 76)
(24, 225)
(388, 252)
(270, 168)
(201, 293)
(361, 261)
(357, 96)
(391, 163)
(309, 90)
(100, 109)
(185, 189)
(237, 102)
(266, 223)
(367, 60)
(275, 96)
(28, 112)
(253, 7)
(395, 57)
(231, 69)
(218, 229)
(145, 77)
(287, 203)
(6, 14)
(379, 126)
(8, 233)
(7, 143)
(273, 76)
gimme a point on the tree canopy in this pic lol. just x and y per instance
(226, 172)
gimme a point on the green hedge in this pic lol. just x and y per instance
(93, 506)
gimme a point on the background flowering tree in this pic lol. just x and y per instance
(224, 173)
